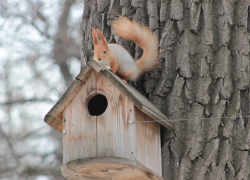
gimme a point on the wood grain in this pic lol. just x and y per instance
(80, 137)
(110, 134)
(67, 116)
(153, 146)
(141, 134)
(115, 135)
(149, 147)
(54, 117)
(136, 97)
(107, 168)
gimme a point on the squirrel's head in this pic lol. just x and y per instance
(101, 50)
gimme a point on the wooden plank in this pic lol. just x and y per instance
(70, 174)
(107, 168)
(105, 135)
(67, 116)
(137, 98)
(153, 146)
(158, 144)
(126, 141)
(85, 74)
(158, 118)
(141, 134)
(116, 137)
(82, 128)
(149, 147)
(132, 140)
(54, 117)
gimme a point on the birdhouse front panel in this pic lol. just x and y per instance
(97, 124)
(80, 137)
(110, 130)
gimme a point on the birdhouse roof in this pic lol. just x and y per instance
(54, 118)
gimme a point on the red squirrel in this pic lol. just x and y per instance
(118, 59)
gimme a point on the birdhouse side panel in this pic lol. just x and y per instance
(113, 127)
(141, 133)
(80, 137)
(149, 142)
(67, 118)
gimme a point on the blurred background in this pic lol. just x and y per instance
(40, 44)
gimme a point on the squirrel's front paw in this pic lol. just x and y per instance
(125, 81)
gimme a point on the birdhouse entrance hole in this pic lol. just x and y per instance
(97, 104)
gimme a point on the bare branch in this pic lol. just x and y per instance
(27, 170)
(10, 145)
(21, 101)
(63, 43)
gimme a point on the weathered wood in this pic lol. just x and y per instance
(85, 73)
(115, 135)
(149, 142)
(105, 122)
(141, 132)
(54, 117)
(105, 168)
(67, 118)
(109, 134)
(137, 98)
(70, 174)
(153, 145)
(80, 126)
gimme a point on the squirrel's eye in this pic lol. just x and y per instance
(104, 52)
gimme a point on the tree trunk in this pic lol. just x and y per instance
(204, 73)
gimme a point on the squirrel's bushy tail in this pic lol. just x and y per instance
(144, 38)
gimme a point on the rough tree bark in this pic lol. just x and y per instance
(204, 73)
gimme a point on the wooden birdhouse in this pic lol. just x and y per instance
(110, 131)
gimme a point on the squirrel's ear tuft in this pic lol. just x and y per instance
(104, 41)
(95, 36)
